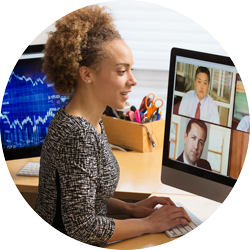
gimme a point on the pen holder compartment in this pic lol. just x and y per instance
(134, 136)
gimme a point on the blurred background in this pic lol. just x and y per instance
(151, 31)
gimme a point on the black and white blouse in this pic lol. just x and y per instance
(78, 175)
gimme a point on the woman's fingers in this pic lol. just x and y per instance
(176, 222)
(167, 217)
(180, 213)
(162, 201)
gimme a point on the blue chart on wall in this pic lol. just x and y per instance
(29, 104)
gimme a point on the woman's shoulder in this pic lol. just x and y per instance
(64, 128)
(69, 124)
(67, 127)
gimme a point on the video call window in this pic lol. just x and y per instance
(219, 94)
(241, 119)
(209, 150)
(211, 97)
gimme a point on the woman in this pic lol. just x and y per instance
(78, 172)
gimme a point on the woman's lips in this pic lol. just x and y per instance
(125, 95)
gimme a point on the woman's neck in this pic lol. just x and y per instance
(82, 105)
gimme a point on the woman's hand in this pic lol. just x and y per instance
(165, 218)
(152, 220)
(146, 207)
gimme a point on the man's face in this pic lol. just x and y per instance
(201, 85)
(194, 143)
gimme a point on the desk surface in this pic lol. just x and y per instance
(23, 183)
(139, 178)
(139, 174)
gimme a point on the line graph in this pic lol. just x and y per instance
(27, 79)
(34, 122)
(28, 106)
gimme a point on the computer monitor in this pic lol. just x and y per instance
(206, 157)
(28, 106)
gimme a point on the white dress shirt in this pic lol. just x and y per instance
(244, 124)
(185, 160)
(208, 109)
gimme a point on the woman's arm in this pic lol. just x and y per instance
(139, 209)
(160, 220)
(116, 206)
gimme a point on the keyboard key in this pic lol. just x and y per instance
(196, 223)
(188, 228)
(174, 232)
(177, 231)
(170, 233)
(192, 225)
(182, 229)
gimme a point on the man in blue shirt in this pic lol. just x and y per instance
(197, 103)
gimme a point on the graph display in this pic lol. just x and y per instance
(29, 104)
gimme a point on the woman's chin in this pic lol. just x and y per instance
(119, 106)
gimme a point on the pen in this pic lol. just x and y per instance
(159, 116)
(137, 116)
(156, 114)
(131, 116)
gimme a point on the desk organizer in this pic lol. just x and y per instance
(132, 135)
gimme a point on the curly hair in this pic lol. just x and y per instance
(78, 41)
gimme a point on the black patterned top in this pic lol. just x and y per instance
(88, 176)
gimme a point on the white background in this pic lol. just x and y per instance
(22, 21)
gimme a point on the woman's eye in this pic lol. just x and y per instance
(123, 71)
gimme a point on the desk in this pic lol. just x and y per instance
(139, 174)
(139, 178)
(23, 183)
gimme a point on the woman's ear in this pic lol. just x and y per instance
(84, 73)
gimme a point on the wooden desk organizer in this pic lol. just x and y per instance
(132, 135)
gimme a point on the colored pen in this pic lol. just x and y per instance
(131, 116)
(160, 115)
(137, 116)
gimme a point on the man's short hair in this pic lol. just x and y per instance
(198, 122)
(203, 70)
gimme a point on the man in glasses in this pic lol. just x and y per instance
(194, 140)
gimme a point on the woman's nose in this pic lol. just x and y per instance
(132, 80)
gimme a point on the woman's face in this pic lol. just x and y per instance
(114, 80)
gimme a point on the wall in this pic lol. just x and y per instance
(151, 31)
